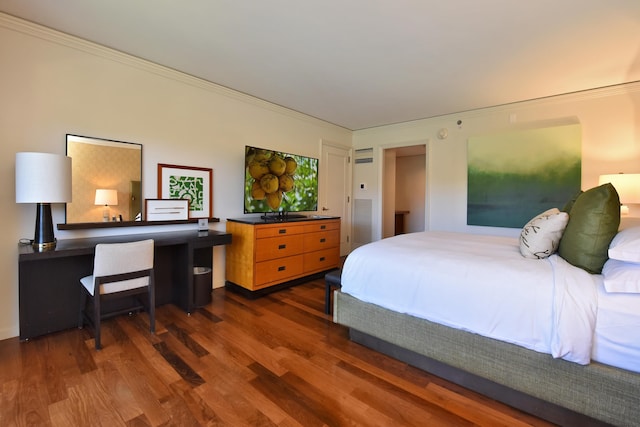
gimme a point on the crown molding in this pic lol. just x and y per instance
(38, 31)
(587, 94)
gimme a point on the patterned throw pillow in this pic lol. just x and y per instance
(541, 236)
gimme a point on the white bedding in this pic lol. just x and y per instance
(483, 285)
(617, 334)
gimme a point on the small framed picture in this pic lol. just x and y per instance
(166, 209)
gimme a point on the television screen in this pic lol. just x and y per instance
(279, 182)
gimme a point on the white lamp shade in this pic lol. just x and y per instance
(626, 184)
(106, 197)
(43, 178)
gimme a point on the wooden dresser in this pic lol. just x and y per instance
(265, 254)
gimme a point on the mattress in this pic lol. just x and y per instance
(481, 284)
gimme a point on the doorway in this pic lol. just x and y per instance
(404, 189)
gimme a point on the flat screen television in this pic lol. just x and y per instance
(279, 182)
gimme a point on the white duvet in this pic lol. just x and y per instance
(480, 284)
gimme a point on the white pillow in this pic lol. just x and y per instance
(541, 236)
(620, 276)
(625, 246)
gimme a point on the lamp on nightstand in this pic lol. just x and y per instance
(628, 187)
(43, 178)
(106, 198)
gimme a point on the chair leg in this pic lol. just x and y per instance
(327, 297)
(83, 305)
(152, 304)
(96, 321)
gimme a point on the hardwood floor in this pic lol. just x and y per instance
(277, 360)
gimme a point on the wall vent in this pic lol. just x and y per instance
(364, 155)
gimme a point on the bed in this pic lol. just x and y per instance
(538, 333)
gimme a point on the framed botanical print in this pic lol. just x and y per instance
(186, 182)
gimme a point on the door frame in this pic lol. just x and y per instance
(379, 230)
(345, 222)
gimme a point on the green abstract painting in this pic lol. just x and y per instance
(187, 187)
(513, 176)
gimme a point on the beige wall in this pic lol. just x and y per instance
(610, 120)
(52, 84)
(410, 186)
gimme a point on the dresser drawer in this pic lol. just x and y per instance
(278, 247)
(277, 270)
(275, 230)
(321, 260)
(321, 226)
(321, 240)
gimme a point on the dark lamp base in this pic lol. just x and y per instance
(44, 239)
(42, 247)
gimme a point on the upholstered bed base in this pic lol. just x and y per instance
(561, 392)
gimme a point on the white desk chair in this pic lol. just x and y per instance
(119, 270)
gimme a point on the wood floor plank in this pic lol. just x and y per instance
(278, 360)
(119, 393)
(32, 398)
(261, 402)
(298, 406)
(397, 403)
(333, 394)
(142, 344)
(253, 347)
(10, 359)
(88, 403)
(192, 402)
(185, 371)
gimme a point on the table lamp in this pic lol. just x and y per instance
(628, 187)
(43, 178)
(106, 197)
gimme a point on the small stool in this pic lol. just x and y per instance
(331, 279)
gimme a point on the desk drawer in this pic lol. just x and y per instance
(321, 260)
(322, 240)
(275, 270)
(278, 247)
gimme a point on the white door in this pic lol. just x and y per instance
(335, 189)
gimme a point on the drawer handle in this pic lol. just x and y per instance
(321, 258)
(282, 231)
(322, 227)
(282, 246)
(323, 240)
(282, 268)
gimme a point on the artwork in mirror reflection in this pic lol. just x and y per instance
(101, 164)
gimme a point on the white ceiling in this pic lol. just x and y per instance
(366, 63)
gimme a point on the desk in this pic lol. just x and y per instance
(49, 289)
(399, 228)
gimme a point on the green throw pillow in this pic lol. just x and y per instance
(567, 207)
(593, 222)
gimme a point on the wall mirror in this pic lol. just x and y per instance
(106, 181)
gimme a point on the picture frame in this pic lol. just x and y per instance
(166, 209)
(187, 182)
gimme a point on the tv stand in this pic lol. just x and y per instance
(266, 256)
